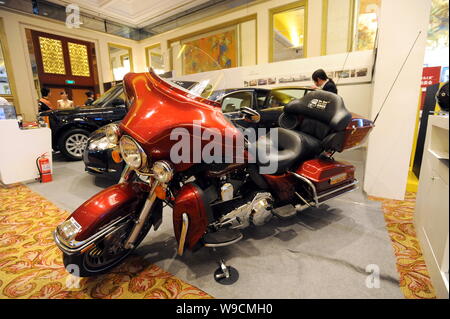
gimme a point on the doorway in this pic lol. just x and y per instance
(63, 64)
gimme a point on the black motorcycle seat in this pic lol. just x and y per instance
(319, 116)
(324, 107)
(283, 148)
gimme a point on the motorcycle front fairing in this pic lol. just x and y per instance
(156, 109)
(159, 107)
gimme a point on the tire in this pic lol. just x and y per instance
(72, 143)
(76, 264)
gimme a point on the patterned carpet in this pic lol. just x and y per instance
(31, 265)
(415, 282)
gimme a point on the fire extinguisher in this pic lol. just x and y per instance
(43, 165)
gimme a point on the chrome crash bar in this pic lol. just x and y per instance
(184, 230)
(339, 189)
(316, 198)
(75, 247)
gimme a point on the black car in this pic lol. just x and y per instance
(71, 128)
(97, 156)
(269, 103)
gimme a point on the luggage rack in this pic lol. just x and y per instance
(322, 198)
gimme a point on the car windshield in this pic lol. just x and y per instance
(108, 96)
(237, 100)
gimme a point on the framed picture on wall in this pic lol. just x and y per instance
(361, 72)
(262, 81)
(211, 51)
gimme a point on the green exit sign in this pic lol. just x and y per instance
(70, 82)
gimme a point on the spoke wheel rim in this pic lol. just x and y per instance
(75, 144)
(120, 236)
(109, 251)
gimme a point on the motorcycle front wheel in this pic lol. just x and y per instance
(107, 253)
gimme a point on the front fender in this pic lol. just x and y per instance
(111, 203)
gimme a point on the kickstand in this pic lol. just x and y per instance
(225, 275)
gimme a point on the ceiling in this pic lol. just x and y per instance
(136, 13)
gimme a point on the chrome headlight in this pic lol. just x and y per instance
(132, 152)
(69, 229)
(112, 133)
(162, 171)
(100, 144)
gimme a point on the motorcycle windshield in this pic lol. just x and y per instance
(180, 97)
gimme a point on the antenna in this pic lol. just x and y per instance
(398, 74)
(375, 53)
(346, 57)
(342, 69)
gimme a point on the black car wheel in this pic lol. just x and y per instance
(72, 143)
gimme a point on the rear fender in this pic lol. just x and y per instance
(112, 203)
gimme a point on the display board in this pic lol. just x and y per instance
(353, 71)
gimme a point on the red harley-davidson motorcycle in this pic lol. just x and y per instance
(211, 202)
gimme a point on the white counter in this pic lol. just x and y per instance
(432, 209)
(19, 150)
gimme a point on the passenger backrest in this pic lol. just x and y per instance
(323, 113)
